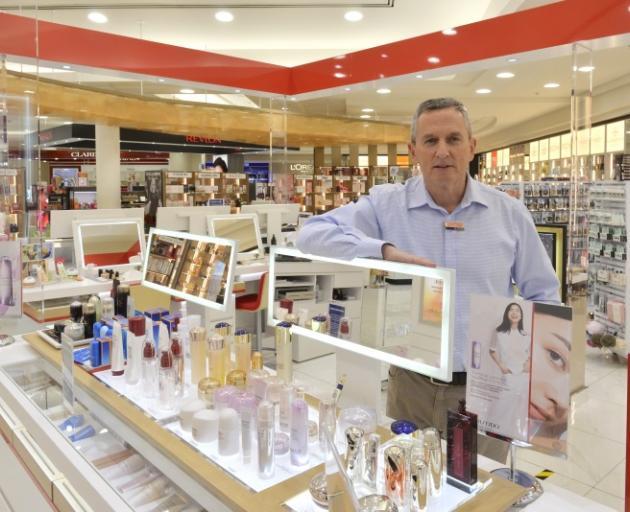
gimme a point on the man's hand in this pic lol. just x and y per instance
(391, 253)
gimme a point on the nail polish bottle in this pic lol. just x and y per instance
(149, 363)
(135, 341)
(225, 329)
(243, 349)
(229, 432)
(197, 354)
(246, 403)
(266, 430)
(177, 350)
(461, 446)
(117, 357)
(216, 358)
(299, 430)
(166, 374)
(284, 352)
(256, 376)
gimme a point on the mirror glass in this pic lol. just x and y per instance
(240, 229)
(110, 244)
(192, 267)
(392, 312)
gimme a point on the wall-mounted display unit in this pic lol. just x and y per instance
(179, 188)
(554, 239)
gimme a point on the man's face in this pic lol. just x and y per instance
(443, 147)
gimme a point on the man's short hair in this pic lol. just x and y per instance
(439, 104)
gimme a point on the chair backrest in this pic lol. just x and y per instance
(263, 290)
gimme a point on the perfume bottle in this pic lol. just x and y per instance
(197, 354)
(461, 446)
(354, 447)
(299, 430)
(419, 484)
(225, 329)
(284, 352)
(243, 349)
(256, 377)
(135, 339)
(266, 430)
(395, 475)
(369, 470)
(149, 362)
(236, 378)
(216, 358)
(433, 458)
(117, 357)
(177, 351)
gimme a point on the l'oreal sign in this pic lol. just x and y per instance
(301, 168)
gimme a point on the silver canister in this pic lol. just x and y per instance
(354, 442)
(6, 282)
(419, 484)
(369, 469)
(433, 459)
(74, 331)
(395, 474)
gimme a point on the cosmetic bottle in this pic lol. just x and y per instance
(85, 433)
(76, 311)
(344, 329)
(188, 410)
(72, 422)
(216, 358)
(265, 428)
(369, 468)
(395, 466)
(256, 376)
(120, 302)
(117, 357)
(299, 430)
(89, 319)
(95, 301)
(243, 349)
(461, 446)
(197, 354)
(205, 426)
(284, 352)
(115, 283)
(127, 466)
(229, 432)
(177, 351)
(206, 389)
(272, 394)
(149, 362)
(107, 313)
(433, 459)
(74, 331)
(327, 422)
(223, 397)
(225, 329)
(236, 378)
(286, 399)
(246, 406)
(419, 484)
(135, 341)
(354, 449)
(166, 373)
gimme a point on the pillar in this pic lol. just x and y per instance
(372, 155)
(107, 148)
(335, 156)
(391, 154)
(318, 158)
(353, 156)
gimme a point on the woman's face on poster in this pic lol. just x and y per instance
(549, 397)
(515, 314)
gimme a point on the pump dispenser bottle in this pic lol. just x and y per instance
(243, 348)
(149, 362)
(216, 358)
(299, 429)
(197, 354)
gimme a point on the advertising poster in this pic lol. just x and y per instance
(518, 370)
(432, 300)
(10, 279)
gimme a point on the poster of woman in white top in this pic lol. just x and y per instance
(510, 343)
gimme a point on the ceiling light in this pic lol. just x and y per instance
(284, 108)
(28, 91)
(383, 90)
(224, 16)
(434, 60)
(67, 122)
(449, 31)
(347, 89)
(353, 16)
(340, 75)
(586, 69)
(512, 59)
(97, 17)
(293, 98)
(551, 85)
(187, 91)
(42, 117)
(66, 67)
(418, 76)
(505, 74)
(367, 110)
(160, 79)
(483, 90)
(365, 116)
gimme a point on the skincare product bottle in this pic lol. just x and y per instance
(206, 389)
(229, 432)
(225, 329)
(395, 475)
(223, 397)
(461, 445)
(216, 358)
(117, 357)
(187, 412)
(177, 351)
(369, 469)
(236, 378)
(166, 374)
(243, 349)
(354, 449)
(95, 353)
(272, 394)
(246, 403)
(197, 354)
(120, 302)
(89, 319)
(84, 433)
(419, 484)
(135, 342)
(107, 309)
(327, 422)
(433, 458)
(149, 363)
(72, 422)
(284, 352)
(76, 311)
(286, 399)
(265, 427)
(75, 331)
(205, 426)
(256, 376)
(299, 430)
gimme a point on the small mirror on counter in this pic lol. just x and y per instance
(397, 313)
(243, 229)
(192, 267)
(108, 243)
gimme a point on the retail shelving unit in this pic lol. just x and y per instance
(323, 190)
(303, 186)
(132, 196)
(379, 175)
(207, 186)
(607, 252)
(178, 188)
(398, 174)
(343, 180)
(12, 195)
(360, 181)
(235, 187)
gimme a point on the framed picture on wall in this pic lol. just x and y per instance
(554, 239)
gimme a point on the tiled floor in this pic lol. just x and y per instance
(595, 467)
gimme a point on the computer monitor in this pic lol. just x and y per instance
(243, 229)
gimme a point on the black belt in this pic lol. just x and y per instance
(459, 379)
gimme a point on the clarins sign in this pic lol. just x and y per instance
(82, 154)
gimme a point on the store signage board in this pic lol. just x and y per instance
(598, 140)
(543, 150)
(192, 267)
(519, 370)
(554, 148)
(615, 137)
(533, 151)
(418, 337)
(565, 145)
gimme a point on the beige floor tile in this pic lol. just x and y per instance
(606, 499)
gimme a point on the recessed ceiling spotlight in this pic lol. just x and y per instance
(67, 122)
(224, 16)
(586, 69)
(293, 98)
(551, 85)
(365, 116)
(187, 91)
(160, 79)
(449, 31)
(284, 108)
(512, 59)
(347, 89)
(28, 91)
(505, 74)
(418, 76)
(42, 117)
(353, 16)
(483, 90)
(97, 17)
(367, 110)
(66, 67)
(340, 75)
(433, 60)
(383, 90)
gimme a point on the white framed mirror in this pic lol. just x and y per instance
(243, 228)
